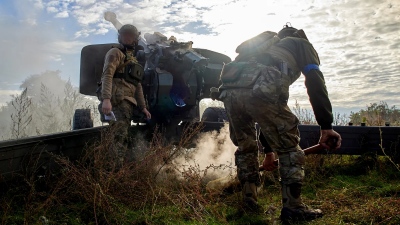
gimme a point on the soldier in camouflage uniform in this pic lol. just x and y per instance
(121, 90)
(255, 88)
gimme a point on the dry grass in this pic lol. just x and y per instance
(148, 178)
(151, 188)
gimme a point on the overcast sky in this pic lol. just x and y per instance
(358, 41)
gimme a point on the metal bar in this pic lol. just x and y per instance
(357, 140)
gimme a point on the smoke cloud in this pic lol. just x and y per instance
(213, 154)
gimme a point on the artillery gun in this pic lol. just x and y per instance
(177, 77)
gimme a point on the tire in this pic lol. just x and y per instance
(82, 119)
(214, 114)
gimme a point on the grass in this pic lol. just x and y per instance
(153, 190)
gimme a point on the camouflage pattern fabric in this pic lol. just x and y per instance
(117, 89)
(240, 74)
(247, 166)
(266, 103)
(123, 113)
(272, 85)
(279, 126)
(291, 167)
(124, 97)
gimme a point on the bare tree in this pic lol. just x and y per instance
(47, 105)
(47, 111)
(305, 116)
(340, 119)
(72, 100)
(22, 116)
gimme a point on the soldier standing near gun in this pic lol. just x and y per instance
(121, 89)
(255, 88)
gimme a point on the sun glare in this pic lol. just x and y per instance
(236, 22)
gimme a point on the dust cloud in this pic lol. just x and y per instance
(213, 155)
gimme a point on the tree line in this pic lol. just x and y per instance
(47, 105)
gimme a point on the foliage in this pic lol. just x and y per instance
(377, 114)
(306, 116)
(22, 116)
(46, 105)
(152, 188)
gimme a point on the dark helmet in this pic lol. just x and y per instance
(287, 31)
(130, 29)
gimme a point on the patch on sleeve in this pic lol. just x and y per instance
(310, 67)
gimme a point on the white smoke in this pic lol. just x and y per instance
(213, 155)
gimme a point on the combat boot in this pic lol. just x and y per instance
(249, 192)
(293, 207)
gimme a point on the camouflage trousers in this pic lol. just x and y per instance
(123, 113)
(279, 127)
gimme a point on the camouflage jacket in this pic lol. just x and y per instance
(297, 53)
(117, 89)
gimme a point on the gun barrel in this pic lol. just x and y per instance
(112, 17)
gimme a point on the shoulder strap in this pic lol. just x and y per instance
(254, 43)
(262, 47)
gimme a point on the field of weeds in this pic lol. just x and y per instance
(163, 183)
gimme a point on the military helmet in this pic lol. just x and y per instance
(129, 29)
(287, 31)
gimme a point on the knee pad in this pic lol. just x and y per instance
(242, 157)
(247, 167)
(292, 167)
